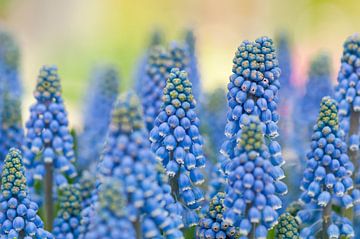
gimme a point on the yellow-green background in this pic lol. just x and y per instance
(75, 34)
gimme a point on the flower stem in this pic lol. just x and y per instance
(49, 204)
(173, 181)
(137, 226)
(252, 233)
(326, 220)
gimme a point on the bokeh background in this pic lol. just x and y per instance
(76, 34)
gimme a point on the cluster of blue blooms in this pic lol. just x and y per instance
(127, 157)
(213, 225)
(66, 224)
(327, 177)
(18, 214)
(11, 133)
(254, 184)
(287, 228)
(253, 90)
(48, 140)
(100, 97)
(108, 217)
(177, 143)
(160, 61)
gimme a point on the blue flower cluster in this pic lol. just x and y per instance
(11, 133)
(100, 97)
(213, 225)
(160, 61)
(127, 157)
(108, 219)
(48, 139)
(193, 64)
(177, 142)
(253, 90)
(18, 214)
(317, 86)
(66, 224)
(285, 62)
(11, 130)
(254, 183)
(287, 228)
(327, 176)
(87, 186)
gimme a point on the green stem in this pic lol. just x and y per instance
(137, 226)
(174, 181)
(252, 232)
(326, 220)
(49, 204)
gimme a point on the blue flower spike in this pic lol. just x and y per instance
(177, 143)
(252, 199)
(18, 213)
(48, 147)
(327, 179)
(253, 91)
(100, 97)
(212, 225)
(67, 222)
(109, 217)
(127, 156)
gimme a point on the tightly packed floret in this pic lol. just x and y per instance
(18, 214)
(11, 131)
(100, 97)
(254, 184)
(253, 91)
(327, 176)
(48, 139)
(212, 225)
(67, 222)
(87, 186)
(127, 157)
(287, 228)
(160, 61)
(109, 218)
(177, 142)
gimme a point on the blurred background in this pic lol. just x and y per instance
(76, 34)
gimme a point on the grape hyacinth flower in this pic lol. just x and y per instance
(66, 224)
(253, 91)
(177, 143)
(287, 228)
(212, 225)
(48, 142)
(327, 176)
(87, 187)
(252, 199)
(127, 157)
(18, 214)
(11, 130)
(194, 73)
(109, 218)
(347, 94)
(100, 97)
(160, 61)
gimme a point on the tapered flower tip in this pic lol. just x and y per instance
(177, 92)
(48, 84)
(157, 37)
(190, 40)
(126, 114)
(320, 65)
(9, 50)
(158, 61)
(179, 55)
(328, 116)
(351, 49)
(111, 197)
(106, 78)
(252, 135)
(256, 61)
(70, 199)
(287, 228)
(11, 113)
(13, 180)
